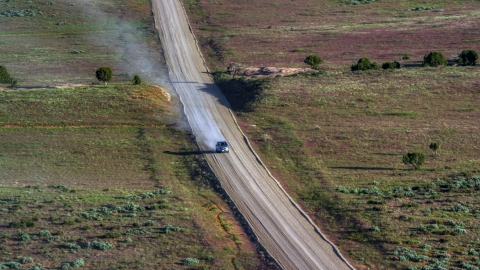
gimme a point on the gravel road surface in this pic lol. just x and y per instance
(280, 226)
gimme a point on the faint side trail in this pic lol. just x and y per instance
(280, 226)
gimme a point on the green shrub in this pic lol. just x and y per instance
(458, 230)
(313, 61)
(460, 208)
(100, 245)
(53, 239)
(25, 237)
(169, 228)
(434, 147)
(128, 240)
(136, 80)
(468, 58)
(78, 263)
(415, 159)
(364, 64)
(4, 75)
(25, 260)
(71, 246)
(22, 224)
(391, 65)
(69, 222)
(10, 265)
(190, 261)
(374, 229)
(149, 223)
(104, 74)
(434, 59)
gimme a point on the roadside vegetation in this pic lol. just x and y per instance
(100, 174)
(97, 176)
(384, 160)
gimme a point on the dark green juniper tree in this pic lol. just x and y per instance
(104, 74)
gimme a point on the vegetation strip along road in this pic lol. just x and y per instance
(280, 225)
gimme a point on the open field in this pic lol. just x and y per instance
(336, 142)
(336, 139)
(102, 173)
(66, 41)
(128, 193)
(281, 33)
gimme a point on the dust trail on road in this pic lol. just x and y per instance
(280, 226)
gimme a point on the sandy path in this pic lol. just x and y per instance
(287, 233)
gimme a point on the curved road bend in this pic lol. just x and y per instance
(283, 229)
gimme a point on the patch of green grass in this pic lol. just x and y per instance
(85, 169)
(320, 137)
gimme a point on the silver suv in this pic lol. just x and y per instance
(222, 147)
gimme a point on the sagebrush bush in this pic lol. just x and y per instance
(25, 260)
(190, 261)
(468, 58)
(434, 59)
(364, 64)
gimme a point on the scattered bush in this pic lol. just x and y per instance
(136, 80)
(22, 224)
(71, 246)
(460, 208)
(468, 58)
(4, 75)
(190, 261)
(415, 159)
(25, 237)
(100, 245)
(434, 147)
(458, 230)
(25, 260)
(149, 223)
(169, 228)
(10, 265)
(391, 65)
(104, 74)
(313, 61)
(364, 64)
(434, 59)
(53, 239)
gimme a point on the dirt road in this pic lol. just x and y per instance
(287, 233)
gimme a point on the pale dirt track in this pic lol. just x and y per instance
(280, 226)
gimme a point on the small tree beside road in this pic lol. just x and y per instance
(104, 74)
(468, 58)
(434, 59)
(364, 64)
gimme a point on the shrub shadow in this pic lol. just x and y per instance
(365, 168)
(188, 153)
